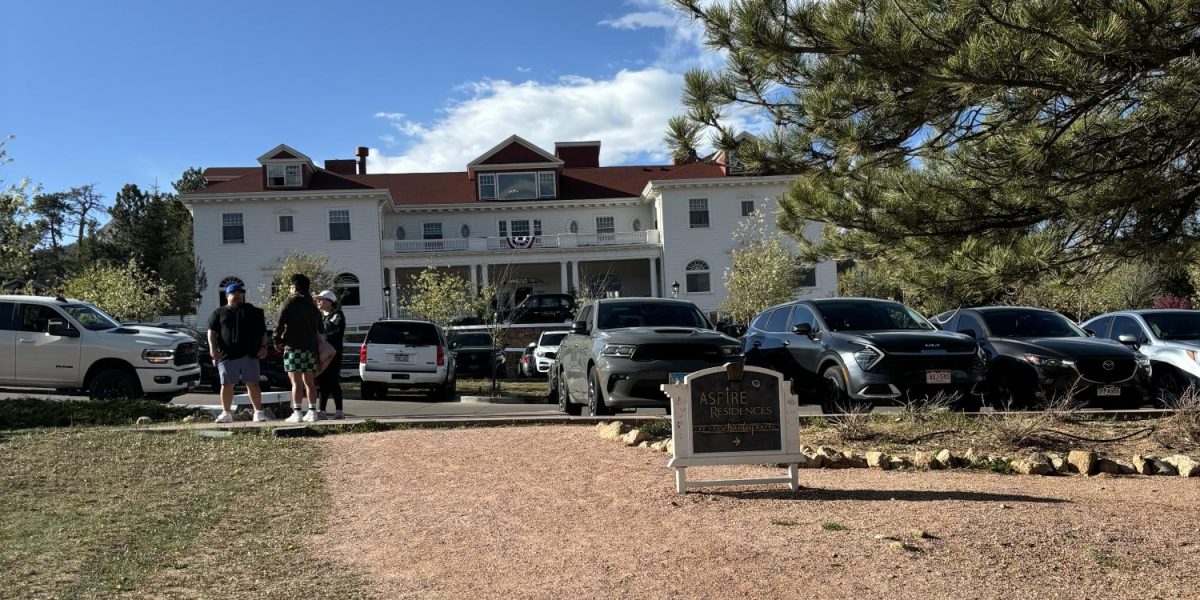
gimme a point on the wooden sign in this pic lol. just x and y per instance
(734, 415)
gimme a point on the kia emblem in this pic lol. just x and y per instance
(1108, 365)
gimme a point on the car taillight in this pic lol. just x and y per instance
(441, 357)
(362, 354)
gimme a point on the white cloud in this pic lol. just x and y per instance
(524, 69)
(642, 20)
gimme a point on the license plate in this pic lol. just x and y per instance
(676, 377)
(937, 376)
(400, 358)
(1108, 390)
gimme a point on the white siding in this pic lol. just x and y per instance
(555, 220)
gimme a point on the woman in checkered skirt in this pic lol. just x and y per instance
(296, 332)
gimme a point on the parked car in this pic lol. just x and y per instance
(1035, 355)
(1169, 338)
(351, 343)
(621, 350)
(406, 354)
(73, 345)
(845, 351)
(545, 351)
(527, 368)
(474, 354)
(543, 308)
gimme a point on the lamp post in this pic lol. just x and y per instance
(387, 301)
(675, 290)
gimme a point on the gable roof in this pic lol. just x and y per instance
(252, 182)
(514, 150)
(283, 152)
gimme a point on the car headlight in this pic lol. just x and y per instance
(1143, 361)
(868, 357)
(1048, 361)
(158, 356)
(1194, 355)
(731, 351)
(618, 350)
(540, 354)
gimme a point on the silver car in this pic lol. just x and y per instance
(1169, 337)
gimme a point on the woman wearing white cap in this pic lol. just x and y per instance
(333, 325)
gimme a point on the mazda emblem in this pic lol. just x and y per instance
(1108, 365)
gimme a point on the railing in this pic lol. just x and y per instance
(561, 240)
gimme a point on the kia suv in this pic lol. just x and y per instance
(406, 354)
(844, 351)
(1035, 355)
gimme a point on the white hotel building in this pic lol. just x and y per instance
(532, 220)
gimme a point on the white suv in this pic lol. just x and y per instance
(546, 351)
(406, 353)
(70, 344)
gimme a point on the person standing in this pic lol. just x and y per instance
(296, 333)
(329, 382)
(237, 339)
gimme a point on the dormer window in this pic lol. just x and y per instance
(284, 176)
(516, 186)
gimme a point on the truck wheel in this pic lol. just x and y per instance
(450, 391)
(596, 406)
(564, 398)
(367, 390)
(114, 383)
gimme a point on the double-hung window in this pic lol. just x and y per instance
(487, 186)
(545, 184)
(517, 186)
(287, 224)
(519, 227)
(284, 176)
(432, 233)
(698, 212)
(605, 229)
(339, 225)
(747, 208)
(232, 229)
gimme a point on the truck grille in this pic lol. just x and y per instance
(185, 354)
(682, 352)
(1094, 369)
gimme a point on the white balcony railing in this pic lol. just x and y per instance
(561, 240)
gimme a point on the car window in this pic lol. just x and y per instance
(473, 339)
(551, 339)
(586, 315)
(865, 315)
(91, 317)
(1025, 323)
(779, 319)
(411, 334)
(36, 317)
(966, 322)
(8, 319)
(1125, 326)
(1181, 325)
(760, 322)
(1100, 326)
(616, 315)
(804, 315)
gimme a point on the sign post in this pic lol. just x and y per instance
(734, 415)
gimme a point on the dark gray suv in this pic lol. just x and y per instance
(620, 350)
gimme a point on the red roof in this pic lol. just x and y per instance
(408, 189)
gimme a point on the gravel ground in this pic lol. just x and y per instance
(554, 511)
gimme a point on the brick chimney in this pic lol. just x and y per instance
(362, 159)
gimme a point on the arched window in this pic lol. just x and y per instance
(399, 232)
(224, 284)
(346, 288)
(697, 274)
(637, 224)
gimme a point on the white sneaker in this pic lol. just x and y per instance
(224, 417)
(295, 416)
(338, 416)
(260, 415)
(311, 417)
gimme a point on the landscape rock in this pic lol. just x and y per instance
(1114, 466)
(644, 444)
(609, 431)
(659, 446)
(815, 461)
(1034, 464)
(633, 437)
(854, 460)
(1082, 462)
(190, 419)
(947, 459)
(1059, 463)
(971, 457)
(831, 458)
(879, 460)
(144, 420)
(671, 447)
(1162, 467)
(1144, 465)
(1184, 465)
(899, 462)
(922, 460)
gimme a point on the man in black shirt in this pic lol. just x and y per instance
(297, 331)
(237, 339)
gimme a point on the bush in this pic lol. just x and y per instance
(24, 413)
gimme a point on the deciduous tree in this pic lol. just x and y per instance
(314, 266)
(126, 291)
(763, 270)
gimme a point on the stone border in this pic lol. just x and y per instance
(1082, 462)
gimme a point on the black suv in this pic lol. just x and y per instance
(1036, 354)
(543, 308)
(474, 354)
(849, 350)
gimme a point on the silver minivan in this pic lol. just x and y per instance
(406, 354)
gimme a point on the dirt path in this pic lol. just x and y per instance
(555, 512)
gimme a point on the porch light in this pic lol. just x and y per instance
(675, 290)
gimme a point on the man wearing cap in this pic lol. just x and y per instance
(237, 339)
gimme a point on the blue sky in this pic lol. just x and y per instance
(136, 91)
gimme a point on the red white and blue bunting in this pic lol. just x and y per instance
(521, 242)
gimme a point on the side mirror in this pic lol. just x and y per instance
(579, 327)
(803, 329)
(1090, 332)
(532, 345)
(970, 333)
(1128, 340)
(60, 328)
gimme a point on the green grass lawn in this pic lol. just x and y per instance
(88, 513)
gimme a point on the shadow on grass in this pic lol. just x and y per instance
(880, 495)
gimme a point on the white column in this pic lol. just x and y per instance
(654, 278)
(575, 276)
(484, 270)
(562, 275)
(474, 278)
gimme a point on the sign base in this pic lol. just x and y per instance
(682, 485)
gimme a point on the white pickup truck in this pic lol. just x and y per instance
(72, 345)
